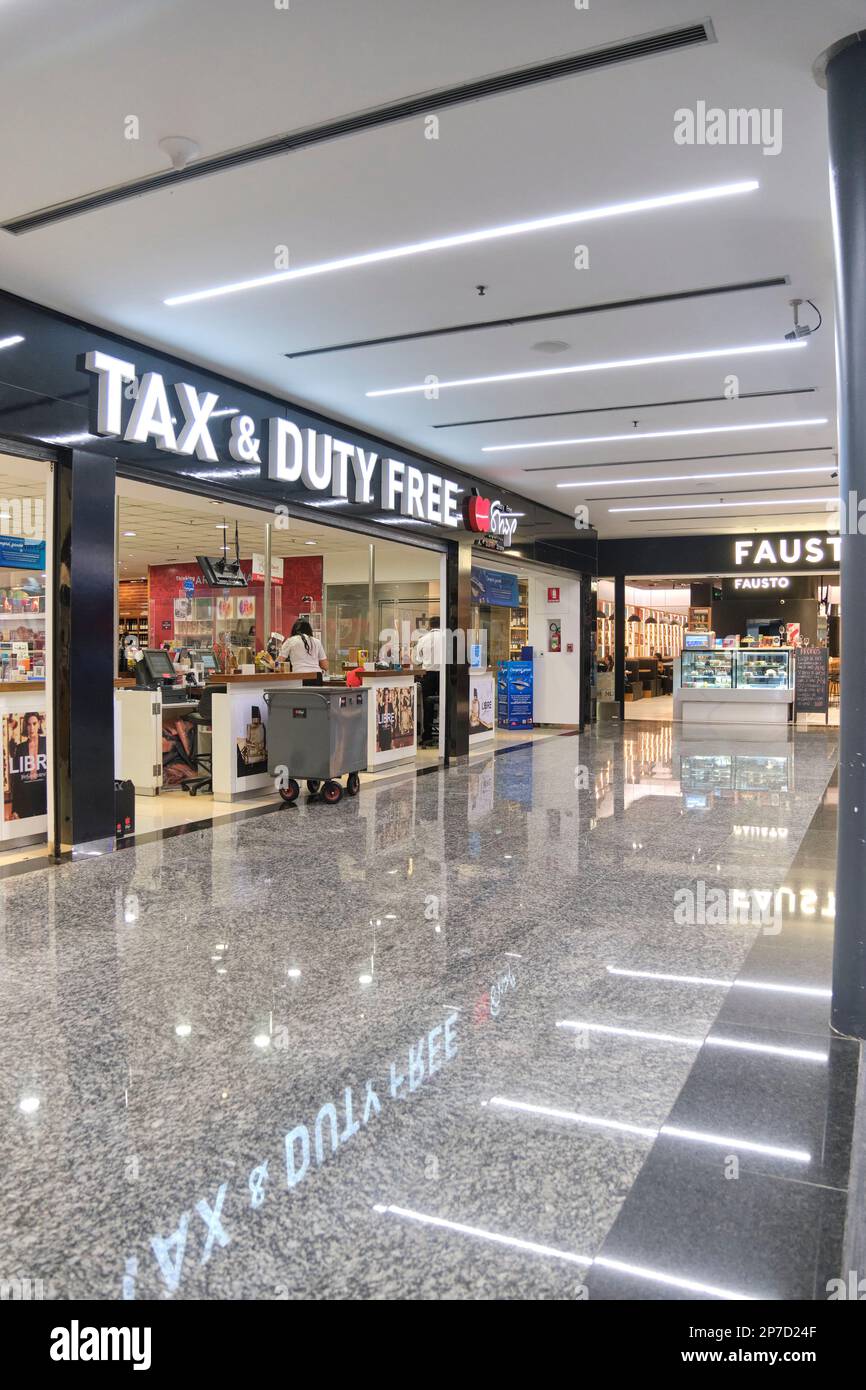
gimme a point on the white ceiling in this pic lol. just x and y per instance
(227, 73)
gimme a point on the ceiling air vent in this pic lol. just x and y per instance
(405, 108)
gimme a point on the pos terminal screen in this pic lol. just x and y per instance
(158, 664)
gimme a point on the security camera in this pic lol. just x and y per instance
(802, 330)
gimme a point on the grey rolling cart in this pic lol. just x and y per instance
(319, 735)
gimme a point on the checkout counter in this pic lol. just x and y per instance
(156, 739)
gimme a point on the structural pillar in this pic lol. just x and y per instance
(458, 617)
(842, 69)
(619, 616)
(85, 647)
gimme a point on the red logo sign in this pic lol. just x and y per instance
(477, 513)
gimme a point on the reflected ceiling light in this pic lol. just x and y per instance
(448, 243)
(78, 438)
(802, 1054)
(28, 1105)
(365, 979)
(662, 359)
(578, 1026)
(262, 1040)
(809, 990)
(294, 973)
(11, 342)
(676, 1281)
(183, 1030)
(758, 502)
(573, 1116)
(653, 434)
(129, 533)
(530, 1246)
(699, 1136)
(706, 477)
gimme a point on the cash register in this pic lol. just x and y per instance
(156, 671)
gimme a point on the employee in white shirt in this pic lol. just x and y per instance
(304, 652)
(428, 654)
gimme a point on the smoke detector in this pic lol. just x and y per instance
(180, 150)
(551, 345)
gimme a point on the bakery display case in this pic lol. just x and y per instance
(763, 669)
(731, 685)
(707, 669)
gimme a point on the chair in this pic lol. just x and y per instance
(201, 719)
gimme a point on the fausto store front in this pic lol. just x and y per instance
(148, 458)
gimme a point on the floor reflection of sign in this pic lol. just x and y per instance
(480, 792)
(25, 765)
(480, 705)
(253, 747)
(395, 717)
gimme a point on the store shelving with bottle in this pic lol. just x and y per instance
(518, 628)
(22, 625)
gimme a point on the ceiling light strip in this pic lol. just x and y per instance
(619, 364)
(657, 434)
(630, 405)
(753, 502)
(704, 477)
(483, 234)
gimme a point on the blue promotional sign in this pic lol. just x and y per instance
(514, 695)
(494, 586)
(189, 586)
(18, 554)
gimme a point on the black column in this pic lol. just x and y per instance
(619, 616)
(845, 67)
(84, 652)
(458, 615)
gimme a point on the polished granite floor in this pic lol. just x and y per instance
(552, 1024)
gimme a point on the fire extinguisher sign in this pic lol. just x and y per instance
(553, 595)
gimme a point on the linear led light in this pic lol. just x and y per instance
(661, 359)
(810, 990)
(674, 1280)
(447, 243)
(530, 1246)
(699, 1136)
(705, 477)
(652, 434)
(801, 1054)
(702, 506)
(11, 342)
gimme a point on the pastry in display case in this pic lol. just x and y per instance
(707, 669)
(764, 669)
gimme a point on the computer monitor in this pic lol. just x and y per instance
(158, 665)
(207, 661)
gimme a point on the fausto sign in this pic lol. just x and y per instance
(286, 452)
(787, 551)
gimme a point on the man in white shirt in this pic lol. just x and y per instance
(428, 654)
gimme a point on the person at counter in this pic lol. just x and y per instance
(304, 652)
(428, 655)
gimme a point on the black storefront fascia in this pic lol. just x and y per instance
(746, 553)
(48, 401)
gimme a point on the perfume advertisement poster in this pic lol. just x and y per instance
(25, 766)
(395, 717)
(481, 695)
(253, 746)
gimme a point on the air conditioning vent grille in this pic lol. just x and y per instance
(551, 70)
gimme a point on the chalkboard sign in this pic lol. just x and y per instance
(812, 688)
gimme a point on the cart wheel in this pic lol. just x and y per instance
(313, 785)
(332, 791)
(353, 784)
(291, 792)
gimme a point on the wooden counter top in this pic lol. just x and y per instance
(18, 687)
